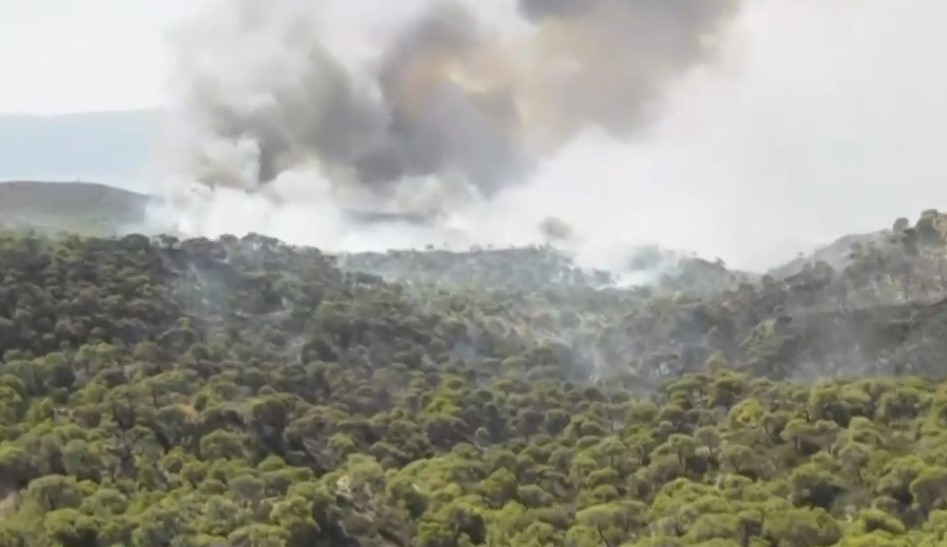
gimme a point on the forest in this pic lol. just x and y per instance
(243, 392)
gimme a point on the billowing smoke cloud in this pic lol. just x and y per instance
(448, 97)
(748, 132)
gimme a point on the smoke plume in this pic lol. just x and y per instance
(748, 131)
(448, 97)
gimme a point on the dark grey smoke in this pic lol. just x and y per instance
(436, 125)
(448, 99)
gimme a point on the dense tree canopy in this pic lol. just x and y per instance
(157, 392)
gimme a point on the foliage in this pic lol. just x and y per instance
(244, 392)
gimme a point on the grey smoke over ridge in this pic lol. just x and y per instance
(446, 96)
(808, 120)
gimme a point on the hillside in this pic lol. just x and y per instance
(101, 210)
(245, 392)
(81, 207)
(837, 254)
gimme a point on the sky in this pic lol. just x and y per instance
(66, 56)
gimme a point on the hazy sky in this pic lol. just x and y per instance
(63, 56)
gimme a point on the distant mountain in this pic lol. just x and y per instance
(81, 207)
(110, 147)
(104, 209)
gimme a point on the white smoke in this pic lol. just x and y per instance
(817, 118)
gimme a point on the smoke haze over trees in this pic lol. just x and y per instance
(739, 121)
(797, 111)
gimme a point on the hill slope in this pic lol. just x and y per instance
(82, 207)
(245, 392)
